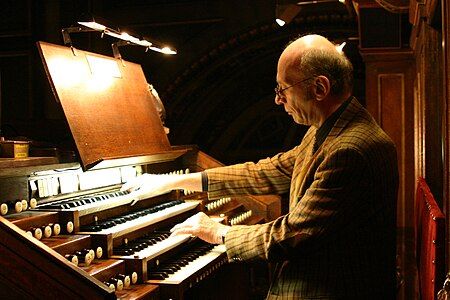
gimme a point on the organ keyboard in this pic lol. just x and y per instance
(78, 236)
(149, 246)
(123, 224)
(89, 204)
(184, 271)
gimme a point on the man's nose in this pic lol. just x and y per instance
(278, 100)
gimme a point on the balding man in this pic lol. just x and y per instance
(338, 239)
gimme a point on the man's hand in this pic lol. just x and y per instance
(148, 185)
(203, 227)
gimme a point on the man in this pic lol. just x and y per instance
(338, 239)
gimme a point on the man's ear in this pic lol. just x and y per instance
(322, 87)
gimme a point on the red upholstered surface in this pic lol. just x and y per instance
(430, 233)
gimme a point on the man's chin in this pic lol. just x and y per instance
(299, 122)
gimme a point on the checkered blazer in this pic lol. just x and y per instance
(338, 240)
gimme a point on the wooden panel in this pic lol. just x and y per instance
(105, 269)
(41, 270)
(389, 98)
(446, 119)
(391, 101)
(140, 291)
(432, 97)
(391, 117)
(26, 162)
(28, 219)
(419, 133)
(429, 108)
(432, 11)
(107, 105)
(69, 244)
(13, 189)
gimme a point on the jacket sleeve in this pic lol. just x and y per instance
(267, 176)
(332, 200)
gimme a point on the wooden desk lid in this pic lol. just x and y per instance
(109, 109)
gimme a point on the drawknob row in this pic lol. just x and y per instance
(217, 203)
(85, 256)
(121, 281)
(17, 206)
(46, 231)
(238, 219)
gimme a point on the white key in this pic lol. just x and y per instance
(195, 265)
(160, 247)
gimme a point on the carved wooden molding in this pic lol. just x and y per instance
(415, 11)
(421, 10)
(395, 6)
(430, 9)
(446, 121)
(375, 55)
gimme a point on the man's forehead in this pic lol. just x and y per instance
(288, 64)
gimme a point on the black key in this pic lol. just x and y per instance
(156, 276)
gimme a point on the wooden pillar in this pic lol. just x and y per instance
(430, 40)
(446, 119)
(390, 75)
(390, 100)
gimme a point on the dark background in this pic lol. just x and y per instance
(218, 90)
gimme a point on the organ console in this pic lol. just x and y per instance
(78, 235)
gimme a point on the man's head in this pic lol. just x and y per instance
(314, 78)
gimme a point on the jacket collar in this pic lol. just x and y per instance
(347, 115)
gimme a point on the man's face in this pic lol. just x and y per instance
(296, 98)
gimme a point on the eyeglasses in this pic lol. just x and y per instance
(279, 91)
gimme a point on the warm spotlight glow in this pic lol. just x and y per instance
(165, 50)
(280, 22)
(113, 34)
(123, 36)
(340, 47)
(66, 72)
(143, 43)
(98, 74)
(98, 83)
(103, 67)
(103, 72)
(126, 37)
(93, 25)
(286, 13)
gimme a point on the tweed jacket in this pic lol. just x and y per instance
(338, 240)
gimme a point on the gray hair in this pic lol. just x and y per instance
(331, 64)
